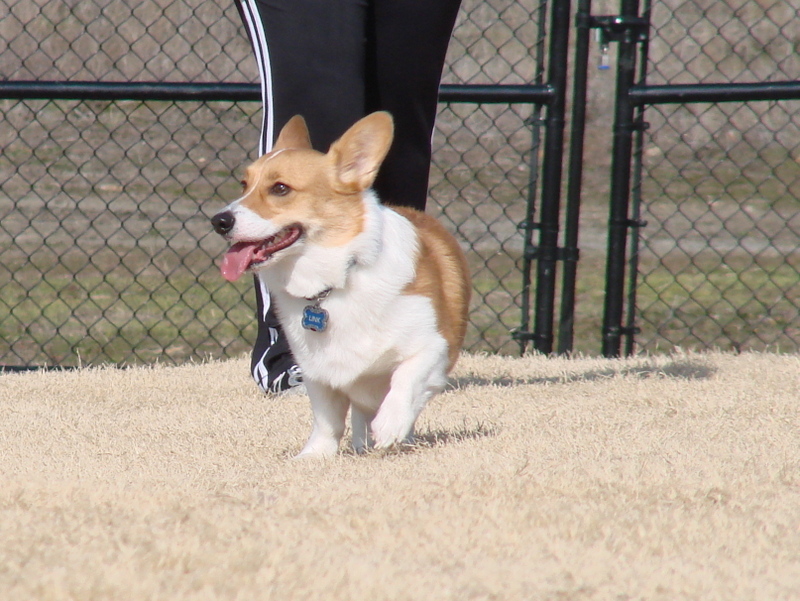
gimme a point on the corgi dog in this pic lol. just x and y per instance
(373, 300)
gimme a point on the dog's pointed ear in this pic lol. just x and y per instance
(294, 134)
(358, 154)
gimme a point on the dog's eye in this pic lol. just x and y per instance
(244, 185)
(279, 189)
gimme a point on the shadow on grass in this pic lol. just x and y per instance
(681, 369)
(435, 438)
(428, 440)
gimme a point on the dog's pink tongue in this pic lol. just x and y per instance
(237, 260)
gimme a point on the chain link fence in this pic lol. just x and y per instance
(481, 173)
(106, 253)
(719, 259)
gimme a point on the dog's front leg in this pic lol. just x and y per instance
(360, 419)
(329, 407)
(414, 382)
(365, 397)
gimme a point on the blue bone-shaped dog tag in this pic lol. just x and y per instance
(315, 318)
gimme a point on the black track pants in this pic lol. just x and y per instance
(334, 61)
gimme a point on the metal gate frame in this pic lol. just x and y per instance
(629, 30)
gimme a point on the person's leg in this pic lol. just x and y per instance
(315, 53)
(408, 40)
(271, 362)
(310, 56)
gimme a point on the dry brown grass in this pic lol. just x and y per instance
(654, 478)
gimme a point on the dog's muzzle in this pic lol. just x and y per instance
(223, 222)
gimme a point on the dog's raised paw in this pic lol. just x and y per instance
(388, 429)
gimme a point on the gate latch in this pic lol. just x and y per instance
(616, 28)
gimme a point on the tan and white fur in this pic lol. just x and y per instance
(394, 282)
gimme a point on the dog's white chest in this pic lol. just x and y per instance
(368, 328)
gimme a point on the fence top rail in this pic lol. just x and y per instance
(238, 92)
(94, 90)
(715, 92)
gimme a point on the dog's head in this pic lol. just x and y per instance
(295, 196)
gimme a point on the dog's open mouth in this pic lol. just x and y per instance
(243, 255)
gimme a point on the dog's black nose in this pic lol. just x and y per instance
(223, 222)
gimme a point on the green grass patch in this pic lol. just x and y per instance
(91, 317)
(118, 318)
(81, 313)
(740, 304)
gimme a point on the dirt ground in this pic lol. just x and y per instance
(670, 477)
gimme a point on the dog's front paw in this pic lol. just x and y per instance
(313, 454)
(310, 456)
(318, 447)
(390, 428)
